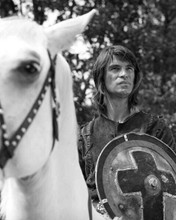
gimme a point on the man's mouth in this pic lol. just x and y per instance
(124, 82)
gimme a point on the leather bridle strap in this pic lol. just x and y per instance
(10, 144)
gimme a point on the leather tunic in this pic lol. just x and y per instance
(97, 133)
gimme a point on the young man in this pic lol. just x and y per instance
(117, 79)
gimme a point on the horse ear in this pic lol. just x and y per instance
(62, 35)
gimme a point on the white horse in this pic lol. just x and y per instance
(40, 175)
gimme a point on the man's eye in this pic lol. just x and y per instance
(115, 68)
(130, 68)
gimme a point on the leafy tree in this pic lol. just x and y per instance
(7, 8)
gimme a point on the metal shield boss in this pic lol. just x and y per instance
(136, 178)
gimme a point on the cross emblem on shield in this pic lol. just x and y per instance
(136, 178)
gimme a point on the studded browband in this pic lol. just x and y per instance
(10, 144)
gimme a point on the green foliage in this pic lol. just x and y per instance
(147, 27)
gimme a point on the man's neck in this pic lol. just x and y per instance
(117, 109)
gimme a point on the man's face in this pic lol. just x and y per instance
(119, 78)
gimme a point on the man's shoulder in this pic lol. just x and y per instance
(87, 127)
(152, 116)
(154, 121)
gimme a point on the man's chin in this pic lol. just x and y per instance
(123, 94)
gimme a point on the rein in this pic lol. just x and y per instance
(10, 144)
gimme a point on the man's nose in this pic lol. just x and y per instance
(123, 73)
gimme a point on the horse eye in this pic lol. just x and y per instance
(31, 68)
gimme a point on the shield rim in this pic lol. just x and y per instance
(117, 141)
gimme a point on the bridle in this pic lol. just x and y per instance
(10, 144)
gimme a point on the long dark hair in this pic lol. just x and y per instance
(99, 71)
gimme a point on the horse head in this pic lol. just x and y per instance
(28, 75)
(38, 130)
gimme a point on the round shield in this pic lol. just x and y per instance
(136, 178)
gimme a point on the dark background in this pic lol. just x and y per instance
(147, 27)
